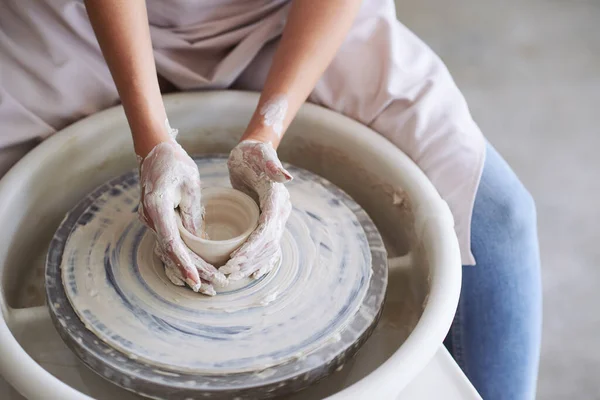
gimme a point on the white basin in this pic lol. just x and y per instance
(425, 270)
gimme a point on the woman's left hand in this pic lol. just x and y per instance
(255, 169)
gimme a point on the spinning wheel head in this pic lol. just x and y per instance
(115, 308)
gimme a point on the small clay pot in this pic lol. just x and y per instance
(230, 217)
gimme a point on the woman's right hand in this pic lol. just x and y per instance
(170, 180)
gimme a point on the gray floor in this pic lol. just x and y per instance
(531, 73)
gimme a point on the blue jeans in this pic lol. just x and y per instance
(496, 333)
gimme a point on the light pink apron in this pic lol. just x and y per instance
(52, 73)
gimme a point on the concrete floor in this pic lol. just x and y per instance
(531, 73)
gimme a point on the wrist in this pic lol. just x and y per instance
(268, 122)
(146, 140)
(261, 135)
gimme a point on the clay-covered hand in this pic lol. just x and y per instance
(170, 183)
(255, 169)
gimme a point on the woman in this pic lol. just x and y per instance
(355, 59)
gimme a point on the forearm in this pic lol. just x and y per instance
(123, 33)
(314, 31)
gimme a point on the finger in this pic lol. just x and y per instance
(264, 256)
(208, 272)
(161, 212)
(276, 203)
(255, 257)
(142, 216)
(236, 276)
(174, 275)
(190, 207)
(234, 269)
(171, 270)
(267, 227)
(268, 230)
(207, 289)
(141, 212)
(255, 264)
(273, 166)
(275, 210)
(268, 267)
(239, 184)
(253, 241)
(177, 251)
(276, 172)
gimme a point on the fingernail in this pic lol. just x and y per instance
(195, 286)
(208, 290)
(220, 280)
(286, 174)
(276, 172)
(256, 275)
(236, 276)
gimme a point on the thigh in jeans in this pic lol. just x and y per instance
(496, 333)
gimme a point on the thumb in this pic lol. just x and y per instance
(276, 172)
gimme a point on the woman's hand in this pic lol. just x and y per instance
(302, 56)
(255, 169)
(169, 179)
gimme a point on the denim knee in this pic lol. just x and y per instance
(518, 212)
(504, 215)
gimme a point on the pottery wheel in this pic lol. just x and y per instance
(114, 306)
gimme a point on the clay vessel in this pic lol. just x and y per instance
(230, 217)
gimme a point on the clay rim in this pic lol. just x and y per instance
(244, 199)
(158, 382)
